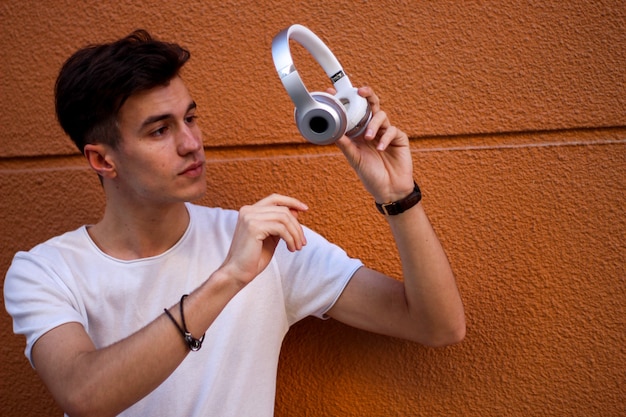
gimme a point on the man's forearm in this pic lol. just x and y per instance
(86, 381)
(431, 290)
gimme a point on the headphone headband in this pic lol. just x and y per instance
(283, 62)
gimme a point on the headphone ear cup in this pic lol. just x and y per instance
(358, 112)
(325, 122)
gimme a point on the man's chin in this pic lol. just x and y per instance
(197, 196)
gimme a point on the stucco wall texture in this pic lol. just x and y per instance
(517, 117)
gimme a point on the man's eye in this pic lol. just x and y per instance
(191, 119)
(159, 132)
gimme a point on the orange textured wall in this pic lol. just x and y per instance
(517, 115)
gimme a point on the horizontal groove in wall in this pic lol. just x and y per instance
(473, 142)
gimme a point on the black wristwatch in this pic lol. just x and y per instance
(400, 206)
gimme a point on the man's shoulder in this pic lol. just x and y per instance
(72, 238)
(53, 251)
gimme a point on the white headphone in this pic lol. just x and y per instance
(321, 117)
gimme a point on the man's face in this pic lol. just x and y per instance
(160, 158)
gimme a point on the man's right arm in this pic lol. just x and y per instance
(103, 382)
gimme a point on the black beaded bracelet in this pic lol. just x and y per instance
(193, 343)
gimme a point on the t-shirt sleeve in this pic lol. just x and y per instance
(314, 278)
(36, 298)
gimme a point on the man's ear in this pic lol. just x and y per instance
(98, 156)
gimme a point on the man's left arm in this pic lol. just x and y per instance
(426, 305)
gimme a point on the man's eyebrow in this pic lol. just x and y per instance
(159, 117)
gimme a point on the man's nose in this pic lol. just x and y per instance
(189, 140)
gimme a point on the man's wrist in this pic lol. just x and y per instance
(400, 206)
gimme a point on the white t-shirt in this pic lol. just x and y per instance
(69, 279)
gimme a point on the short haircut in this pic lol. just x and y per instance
(94, 83)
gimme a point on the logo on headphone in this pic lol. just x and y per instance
(338, 76)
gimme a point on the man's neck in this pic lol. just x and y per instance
(140, 232)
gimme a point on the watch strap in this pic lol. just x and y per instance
(400, 206)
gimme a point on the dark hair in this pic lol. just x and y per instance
(94, 83)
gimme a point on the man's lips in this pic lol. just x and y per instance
(194, 169)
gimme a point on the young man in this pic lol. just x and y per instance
(91, 302)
